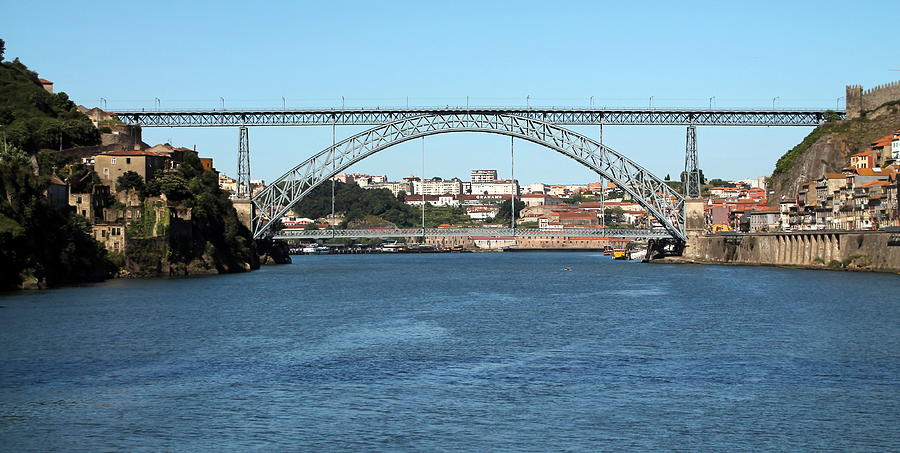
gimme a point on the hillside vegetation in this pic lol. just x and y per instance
(40, 246)
(33, 119)
(355, 203)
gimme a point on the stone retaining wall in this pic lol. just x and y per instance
(859, 250)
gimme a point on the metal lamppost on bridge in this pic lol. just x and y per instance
(711, 99)
(283, 103)
(222, 102)
(156, 100)
(776, 98)
(837, 103)
(103, 103)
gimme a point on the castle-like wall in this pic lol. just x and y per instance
(860, 100)
(837, 250)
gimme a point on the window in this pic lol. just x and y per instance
(128, 161)
(78, 200)
(105, 172)
(113, 160)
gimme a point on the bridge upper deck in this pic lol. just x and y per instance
(573, 116)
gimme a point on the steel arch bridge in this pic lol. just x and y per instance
(660, 200)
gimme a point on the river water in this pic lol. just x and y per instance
(451, 352)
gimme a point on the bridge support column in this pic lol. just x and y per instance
(694, 225)
(243, 164)
(691, 177)
(244, 209)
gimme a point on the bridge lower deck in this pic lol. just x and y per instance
(472, 232)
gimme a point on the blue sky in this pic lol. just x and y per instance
(189, 54)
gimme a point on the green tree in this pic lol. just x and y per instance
(2, 49)
(12, 153)
(130, 180)
(613, 216)
(503, 213)
(355, 203)
(716, 182)
(440, 215)
(190, 166)
(174, 187)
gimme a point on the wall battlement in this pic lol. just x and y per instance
(859, 100)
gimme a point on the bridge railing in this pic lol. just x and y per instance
(561, 116)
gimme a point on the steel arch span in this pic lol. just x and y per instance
(660, 200)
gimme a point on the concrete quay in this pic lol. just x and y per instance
(876, 251)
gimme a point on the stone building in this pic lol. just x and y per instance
(860, 101)
(111, 235)
(109, 166)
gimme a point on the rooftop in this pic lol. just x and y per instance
(133, 153)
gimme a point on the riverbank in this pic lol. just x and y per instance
(269, 252)
(866, 251)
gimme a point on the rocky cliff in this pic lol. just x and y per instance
(828, 148)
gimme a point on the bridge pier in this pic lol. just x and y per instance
(694, 227)
(691, 178)
(243, 164)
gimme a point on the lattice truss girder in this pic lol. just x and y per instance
(691, 165)
(564, 116)
(467, 232)
(652, 193)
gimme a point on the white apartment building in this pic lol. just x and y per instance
(483, 176)
(755, 183)
(895, 147)
(498, 187)
(393, 186)
(437, 186)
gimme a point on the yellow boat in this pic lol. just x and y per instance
(620, 254)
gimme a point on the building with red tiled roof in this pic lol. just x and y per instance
(46, 84)
(417, 200)
(568, 219)
(886, 149)
(865, 159)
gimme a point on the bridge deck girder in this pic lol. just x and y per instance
(471, 232)
(560, 116)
